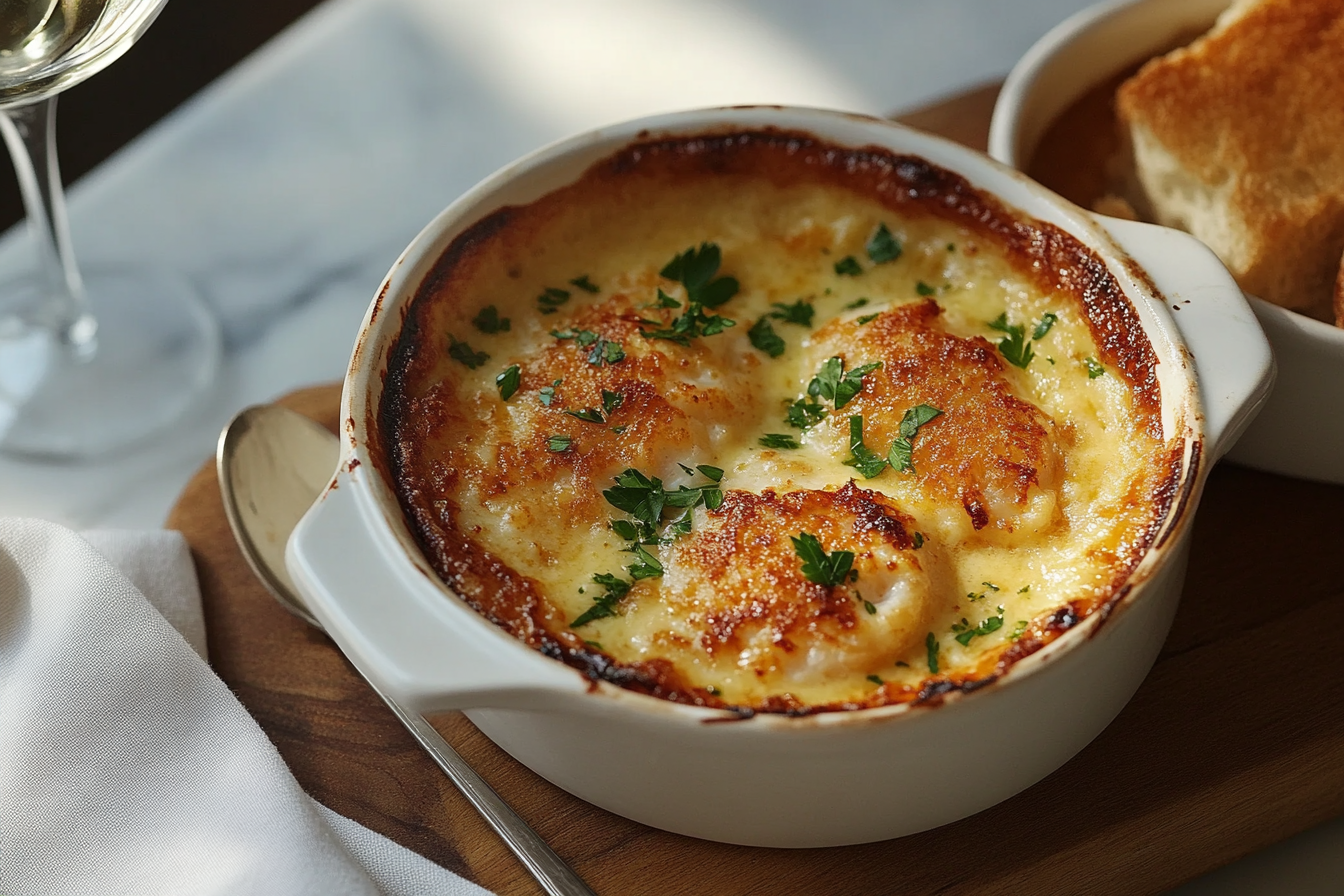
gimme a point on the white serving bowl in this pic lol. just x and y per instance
(773, 780)
(1300, 431)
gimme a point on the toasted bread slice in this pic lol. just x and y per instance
(1238, 138)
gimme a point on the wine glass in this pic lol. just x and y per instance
(89, 365)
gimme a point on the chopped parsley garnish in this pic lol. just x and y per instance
(835, 568)
(865, 319)
(551, 299)
(1024, 589)
(799, 312)
(1094, 368)
(559, 443)
(848, 267)
(1015, 347)
(1018, 631)
(924, 289)
(931, 647)
(805, 413)
(918, 540)
(605, 605)
(764, 337)
(875, 680)
(605, 352)
(644, 498)
(465, 354)
(862, 458)
(837, 384)
(583, 283)
(487, 320)
(611, 401)
(1043, 325)
(857, 303)
(547, 393)
(589, 415)
(779, 440)
(695, 270)
(965, 631)
(507, 382)
(883, 246)
(867, 604)
(646, 566)
(902, 449)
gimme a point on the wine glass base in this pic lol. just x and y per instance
(157, 352)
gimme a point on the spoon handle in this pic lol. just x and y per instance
(555, 877)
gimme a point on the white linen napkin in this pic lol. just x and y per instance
(127, 766)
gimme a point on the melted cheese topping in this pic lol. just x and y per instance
(1030, 492)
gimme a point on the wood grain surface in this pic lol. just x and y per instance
(1235, 740)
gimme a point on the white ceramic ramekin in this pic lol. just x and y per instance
(1300, 431)
(771, 780)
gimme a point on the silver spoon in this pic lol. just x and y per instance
(273, 463)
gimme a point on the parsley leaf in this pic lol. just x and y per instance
(848, 267)
(931, 647)
(1018, 631)
(611, 401)
(867, 318)
(559, 443)
(857, 303)
(507, 382)
(646, 566)
(1094, 368)
(779, 440)
(644, 498)
(805, 413)
(918, 540)
(924, 289)
(903, 447)
(547, 393)
(590, 415)
(799, 312)
(883, 246)
(764, 337)
(831, 569)
(863, 458)
(551, 299)
(465, 354)
(488, 320)
(583, 283)
(875, 680)
(605, 605)
(965, 631)
(1043, 325)
(837, 384)
(695, 270)
(1015, 347)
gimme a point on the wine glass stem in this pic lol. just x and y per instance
(30, 134)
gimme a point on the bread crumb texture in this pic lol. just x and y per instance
(1238, 138)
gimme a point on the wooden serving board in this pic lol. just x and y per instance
(1235, 741)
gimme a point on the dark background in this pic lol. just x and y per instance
(190, 44)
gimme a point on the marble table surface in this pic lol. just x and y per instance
(285, 190)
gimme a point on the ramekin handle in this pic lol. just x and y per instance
(1233, 363)
(415, 643)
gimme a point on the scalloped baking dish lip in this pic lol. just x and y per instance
(359, 568)
(1300, 430)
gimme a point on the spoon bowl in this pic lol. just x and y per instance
(272, 464)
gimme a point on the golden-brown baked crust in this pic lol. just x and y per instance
(1254, 113)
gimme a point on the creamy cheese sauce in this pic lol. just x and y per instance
(1031, 491)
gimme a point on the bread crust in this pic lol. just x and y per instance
(1239, 138)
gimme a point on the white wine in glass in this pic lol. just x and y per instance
(89, 364)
